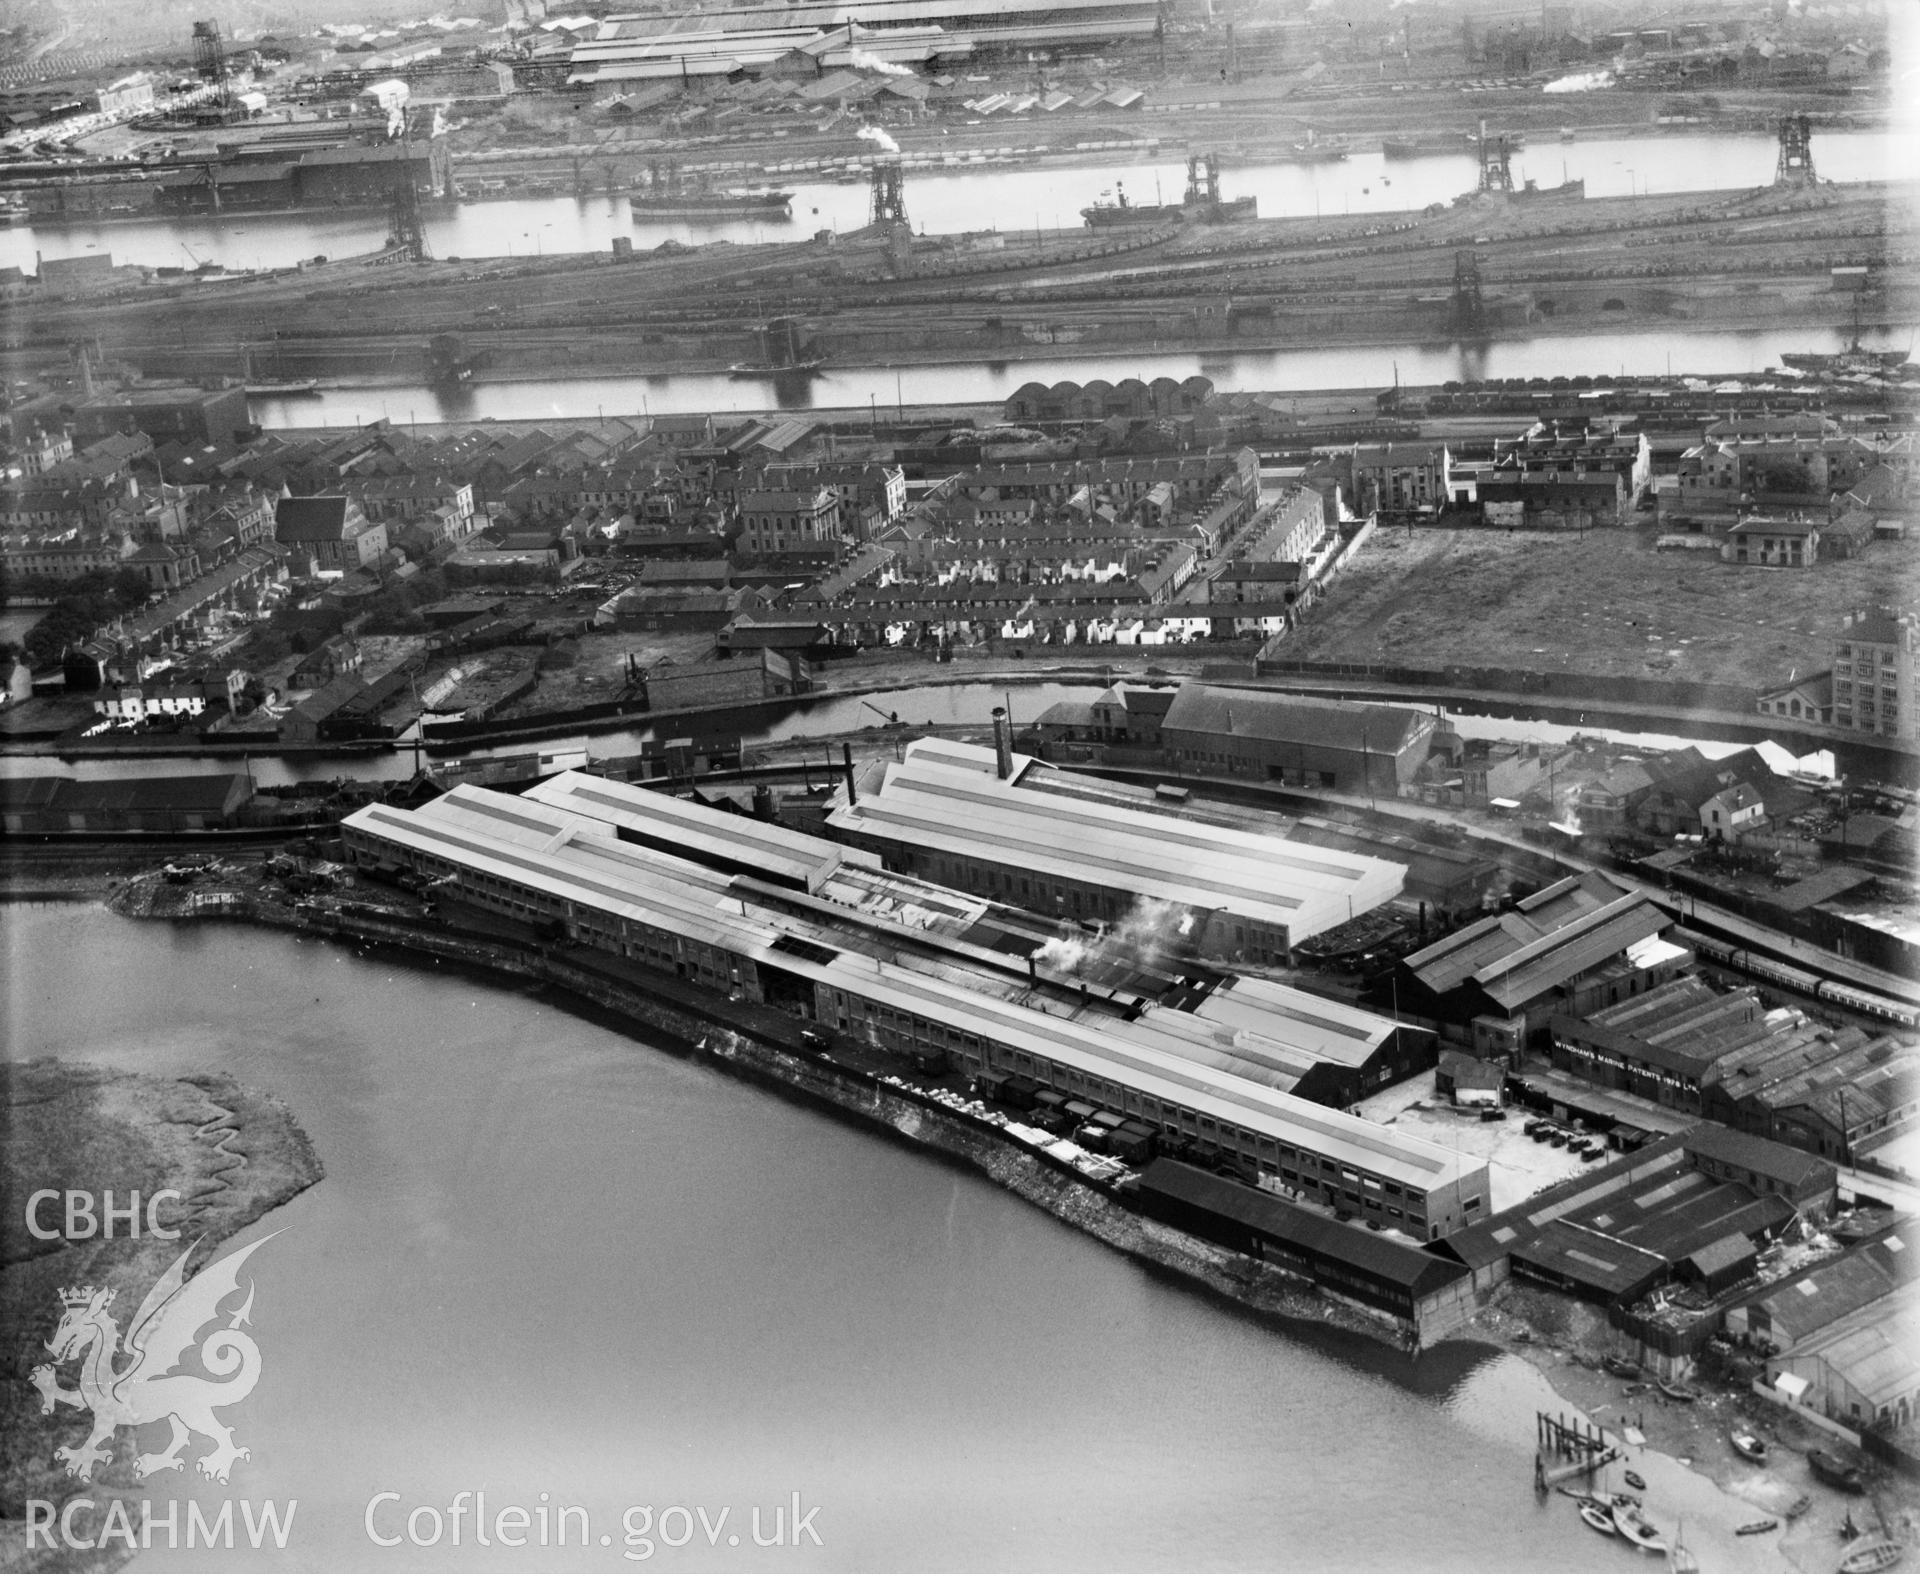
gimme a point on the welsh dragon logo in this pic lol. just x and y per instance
(148, 1388)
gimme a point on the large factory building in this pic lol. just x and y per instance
(986, 821)
(775, 917)
(839, 33)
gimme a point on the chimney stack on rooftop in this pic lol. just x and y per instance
(1002, 744)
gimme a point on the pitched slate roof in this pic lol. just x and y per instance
(1284, 718)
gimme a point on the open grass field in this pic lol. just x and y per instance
(1605, 602)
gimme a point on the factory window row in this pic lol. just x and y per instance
(1222, 1136)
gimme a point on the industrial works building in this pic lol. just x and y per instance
(1578, 946)
(1843, 1093)
(1011, 827)
(819, 37)
(1692, 1208)
(192, 416)
(771, 916)
(1296, 742)
(51, 805)
(1420, 1290)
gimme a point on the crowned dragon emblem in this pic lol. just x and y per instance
(148, 1388)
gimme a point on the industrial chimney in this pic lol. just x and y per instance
(1002, 744)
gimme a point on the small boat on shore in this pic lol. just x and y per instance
(1748, 1445)
(1756, 1527)
(1634, 1480)
(1619, 1366)
(1837, 1471)
(1599, 1519)
(1635, 1528)
(1870, 1557)
(1679, 1393)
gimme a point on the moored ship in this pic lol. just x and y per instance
(786, 350)
(1202, 203)
(1854, 358)
(1574, 190)
(714, 206)
(1426, 146)
(670, 194)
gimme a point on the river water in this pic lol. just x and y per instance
(1011, 198)
(881, 388)
(1006, 197)
(549, 1258)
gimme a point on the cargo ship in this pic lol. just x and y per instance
(1427, 146)
(786, 350)
(713, 207)
(282, 388)
(1316, 150)
(1574, 190)
(1202, 203)
(1852, 359)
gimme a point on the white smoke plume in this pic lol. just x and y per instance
(879, 138)
(1149, 929)
(1580, 82)
(392, 96)
(861, 60)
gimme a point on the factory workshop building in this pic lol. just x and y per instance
(1577, 946)
(774, 917)
(982, 820)
(1296, 742)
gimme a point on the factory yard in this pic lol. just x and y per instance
(1603, 602)
(1517, 1166)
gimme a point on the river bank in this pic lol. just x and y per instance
(231, 1154)
(1563, 1340)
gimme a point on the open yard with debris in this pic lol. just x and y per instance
(1602, 602)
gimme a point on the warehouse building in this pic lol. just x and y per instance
(1283, 1038)
(852, 33)
(51, 805)
(1864, 1370)
(1670, 1211)
(982, 820)
(1426, 1295)
(194, 417)
(1569, 950)
(1294, 741)
(777, 918)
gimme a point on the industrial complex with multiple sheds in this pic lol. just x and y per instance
(1089, 957)
(775, 916)
(898, 32)
(1013, 828)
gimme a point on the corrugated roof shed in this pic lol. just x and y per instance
(1282, 718)
(1874, 1351)
(1395, 1262)
(1162, 1053)
(946, 796)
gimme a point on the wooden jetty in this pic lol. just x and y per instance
(1564, 1449)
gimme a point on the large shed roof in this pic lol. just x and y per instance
(947, 796)
(1163, 1054)
(1288, 718)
